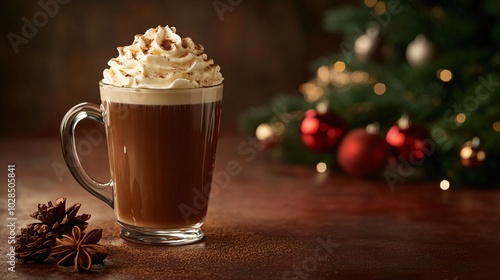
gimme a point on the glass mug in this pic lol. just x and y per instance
(161, 145)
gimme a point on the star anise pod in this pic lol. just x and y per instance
(60, 219)
(34, 243)
(79, 249)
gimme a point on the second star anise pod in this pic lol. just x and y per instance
(79, 249)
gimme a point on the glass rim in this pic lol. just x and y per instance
(167, 96)
(135, 89)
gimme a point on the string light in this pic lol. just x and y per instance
(481, 155)
(341, 79)
(444, 75)
(321, 167)
(359, 77)
(311, 91)
(380, 8)
(323, 75)
(264, 132)
(444, 185)
(460, 118)
(270, 133)
(370, 3)
(471, 153)
(379, 88)
(339, 66)
(496, 126)
(336, 76)
(466, 152)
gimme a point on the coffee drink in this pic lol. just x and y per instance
(159, 164)
(161, 106)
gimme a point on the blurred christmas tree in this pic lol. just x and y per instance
(426, 72)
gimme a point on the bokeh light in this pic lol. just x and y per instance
(370, 3)
(496, 126)
(444, 185)
(323, 75)
(379, 88)
(444, 75)
(339, 66)
(460, 118)
(264, 132)
(380, 7)
(321, 167)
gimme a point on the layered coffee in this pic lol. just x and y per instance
(162, 151)
(161, 105)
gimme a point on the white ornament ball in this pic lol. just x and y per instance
(420, 52)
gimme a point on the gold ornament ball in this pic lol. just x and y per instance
(472, 154)
(270, 134)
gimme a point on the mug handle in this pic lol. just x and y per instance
(70, 121)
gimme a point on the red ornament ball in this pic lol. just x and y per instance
(362, 154)
(411, 142)
(321, 132)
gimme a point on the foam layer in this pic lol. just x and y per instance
(160, 58)
(146, 96)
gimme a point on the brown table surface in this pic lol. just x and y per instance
(276, 221)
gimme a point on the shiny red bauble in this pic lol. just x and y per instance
(362, 154)
(411, 142)
(322, 132)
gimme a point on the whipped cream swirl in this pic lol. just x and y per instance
(162, 59)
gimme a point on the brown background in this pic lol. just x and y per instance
(263, 47)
